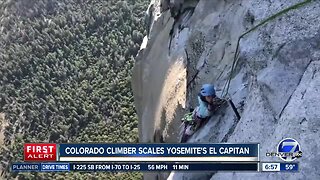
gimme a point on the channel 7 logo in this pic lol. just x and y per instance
(288, 150)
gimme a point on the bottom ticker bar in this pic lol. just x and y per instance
(164, 166)
(89, 167)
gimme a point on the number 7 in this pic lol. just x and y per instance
(294, 144)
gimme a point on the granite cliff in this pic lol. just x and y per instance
(275, 83)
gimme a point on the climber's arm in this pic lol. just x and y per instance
(203, 111)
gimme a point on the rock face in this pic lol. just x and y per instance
(275, 85)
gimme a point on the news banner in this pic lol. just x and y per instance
(49, 157)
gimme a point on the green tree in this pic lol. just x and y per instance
(65, 72)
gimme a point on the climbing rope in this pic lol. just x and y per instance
(236, 54)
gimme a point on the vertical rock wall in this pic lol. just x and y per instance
(275, 85)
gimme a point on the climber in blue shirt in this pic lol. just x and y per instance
(208, 103)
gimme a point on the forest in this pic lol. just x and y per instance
(65, 76)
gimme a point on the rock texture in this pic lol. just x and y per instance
(275, 85)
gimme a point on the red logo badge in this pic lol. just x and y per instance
(40, 152)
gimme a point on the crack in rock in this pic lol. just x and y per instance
(282, 110)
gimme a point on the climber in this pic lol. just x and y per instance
(208, 103)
